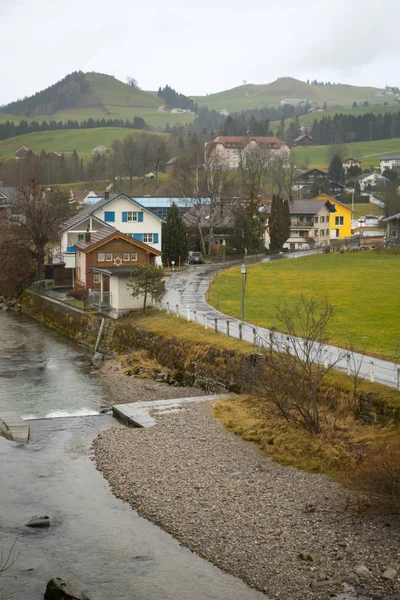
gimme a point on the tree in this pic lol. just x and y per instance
(40, 211)
(17, 268)
(320, 185)
(174, 238)
(290, 375)
(335, 169)
(354, 171)
(279, 223)
(132, 82)
(146, 280)
(130, 157)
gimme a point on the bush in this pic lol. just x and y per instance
(76, 294)
(377, 476)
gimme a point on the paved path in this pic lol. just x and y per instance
(14, 428)
(188, 289)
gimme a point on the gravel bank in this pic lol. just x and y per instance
(248, 515)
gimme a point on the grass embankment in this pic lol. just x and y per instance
(362, 286)
(68, 140)
(140, 187)
(361, 210)
(368, 153)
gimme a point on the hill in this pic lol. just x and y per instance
(367, 152)
(81, 96)
(270, 94)
(67, 140)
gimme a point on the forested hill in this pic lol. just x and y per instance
(81, 91)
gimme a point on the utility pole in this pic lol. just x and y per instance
(243, 270)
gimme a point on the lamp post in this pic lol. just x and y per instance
(243, 270)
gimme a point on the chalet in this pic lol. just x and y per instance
(22, 152)
(309, 224)
(308, 177)
(336, 187)
(121, 212)
(351, 162)
(198, 217)
(105, 260)
(368, 181)
(391, 162)
(303, 140)
(230, 151)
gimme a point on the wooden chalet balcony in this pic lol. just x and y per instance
(302, 224)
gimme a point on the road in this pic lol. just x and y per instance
(186, 291)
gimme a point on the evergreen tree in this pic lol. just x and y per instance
(320, 185)
(279, 223)
(335, 170)
(174, 239)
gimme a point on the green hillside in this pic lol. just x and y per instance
(93, 95)
(270, 94)
(368, 152)
(67, 140)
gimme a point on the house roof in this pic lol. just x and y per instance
(392, 218)
(98, 238)
(223, 216)
(91, 209)
(390, 157)
(300, 137)
(353, 159)
(172, 160)
(304, 207)
(22, 148)
(337, 184)
(331, 200)
(11, 193)
(241, 141)
(299, 175)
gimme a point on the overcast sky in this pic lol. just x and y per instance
(198, 47)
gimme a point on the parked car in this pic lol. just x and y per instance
(195, 258)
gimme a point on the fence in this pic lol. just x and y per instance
(352, 363)
(45, 288)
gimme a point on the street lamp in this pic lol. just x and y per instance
(243, 270)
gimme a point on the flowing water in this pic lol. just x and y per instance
(95, 540)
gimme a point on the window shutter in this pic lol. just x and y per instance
(124, 217)
(140, 217)
(155, 238)
(109, 216)
(138, 237)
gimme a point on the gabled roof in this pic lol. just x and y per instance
(11, 193)
(354, 159)
(99, 238)
(300, 137)
(390, 157)
(304, 207)
(392, 218)
(103, 203)
(299, 175)
(331, 200)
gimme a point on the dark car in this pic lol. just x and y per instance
(195, 258)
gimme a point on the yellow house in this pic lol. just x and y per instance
(340, 221)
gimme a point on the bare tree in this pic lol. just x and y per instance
(132, 82)
(292, 370)
(130, 157)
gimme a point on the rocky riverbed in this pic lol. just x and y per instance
(291, 534)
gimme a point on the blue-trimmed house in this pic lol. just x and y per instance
(116, 211)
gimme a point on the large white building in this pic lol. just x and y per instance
(390, 162)
(229, 152)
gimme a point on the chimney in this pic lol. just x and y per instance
(87, 237)
(106, 195)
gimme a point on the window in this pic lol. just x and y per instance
(321, 219)
(339, 220)
(316, 233)
(109, 216)
(315, 219)
(96, 278)
(134, 256)
(148, 238)
(126, 256)
(327, 232)
(337, 233)
(109, 256)
(131, 216)
(81, 237)
(101, 256)
(394, 234)
(321, 233)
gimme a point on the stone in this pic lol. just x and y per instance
(58, 589)
(362, 571)
(97, 359)
(390, 574)
(313, 556)
(39, 522)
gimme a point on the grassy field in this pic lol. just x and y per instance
(270, 94)
(81, 140)
(348, 280)
(367, 152)
(361, 210)
(140, 187)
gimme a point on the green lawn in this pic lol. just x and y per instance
(361, 210)
(67, 140)
(363, 287)
(368, 152)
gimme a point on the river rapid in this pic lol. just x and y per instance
(95, 540)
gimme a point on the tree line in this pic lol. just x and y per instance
(175, 100)
(9, 129)
(360, 128)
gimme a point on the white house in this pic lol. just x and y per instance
(120, 212)
(390, 162)
(230, 151)
(309, 224)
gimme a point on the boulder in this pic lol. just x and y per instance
(389, 574)
(38, 522)
(97, 359)
(58, 589)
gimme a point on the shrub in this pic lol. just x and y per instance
(76, 294)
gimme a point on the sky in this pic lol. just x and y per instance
(198, 48)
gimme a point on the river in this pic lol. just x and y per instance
(95, 540)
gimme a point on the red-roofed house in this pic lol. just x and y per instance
(229, 151)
